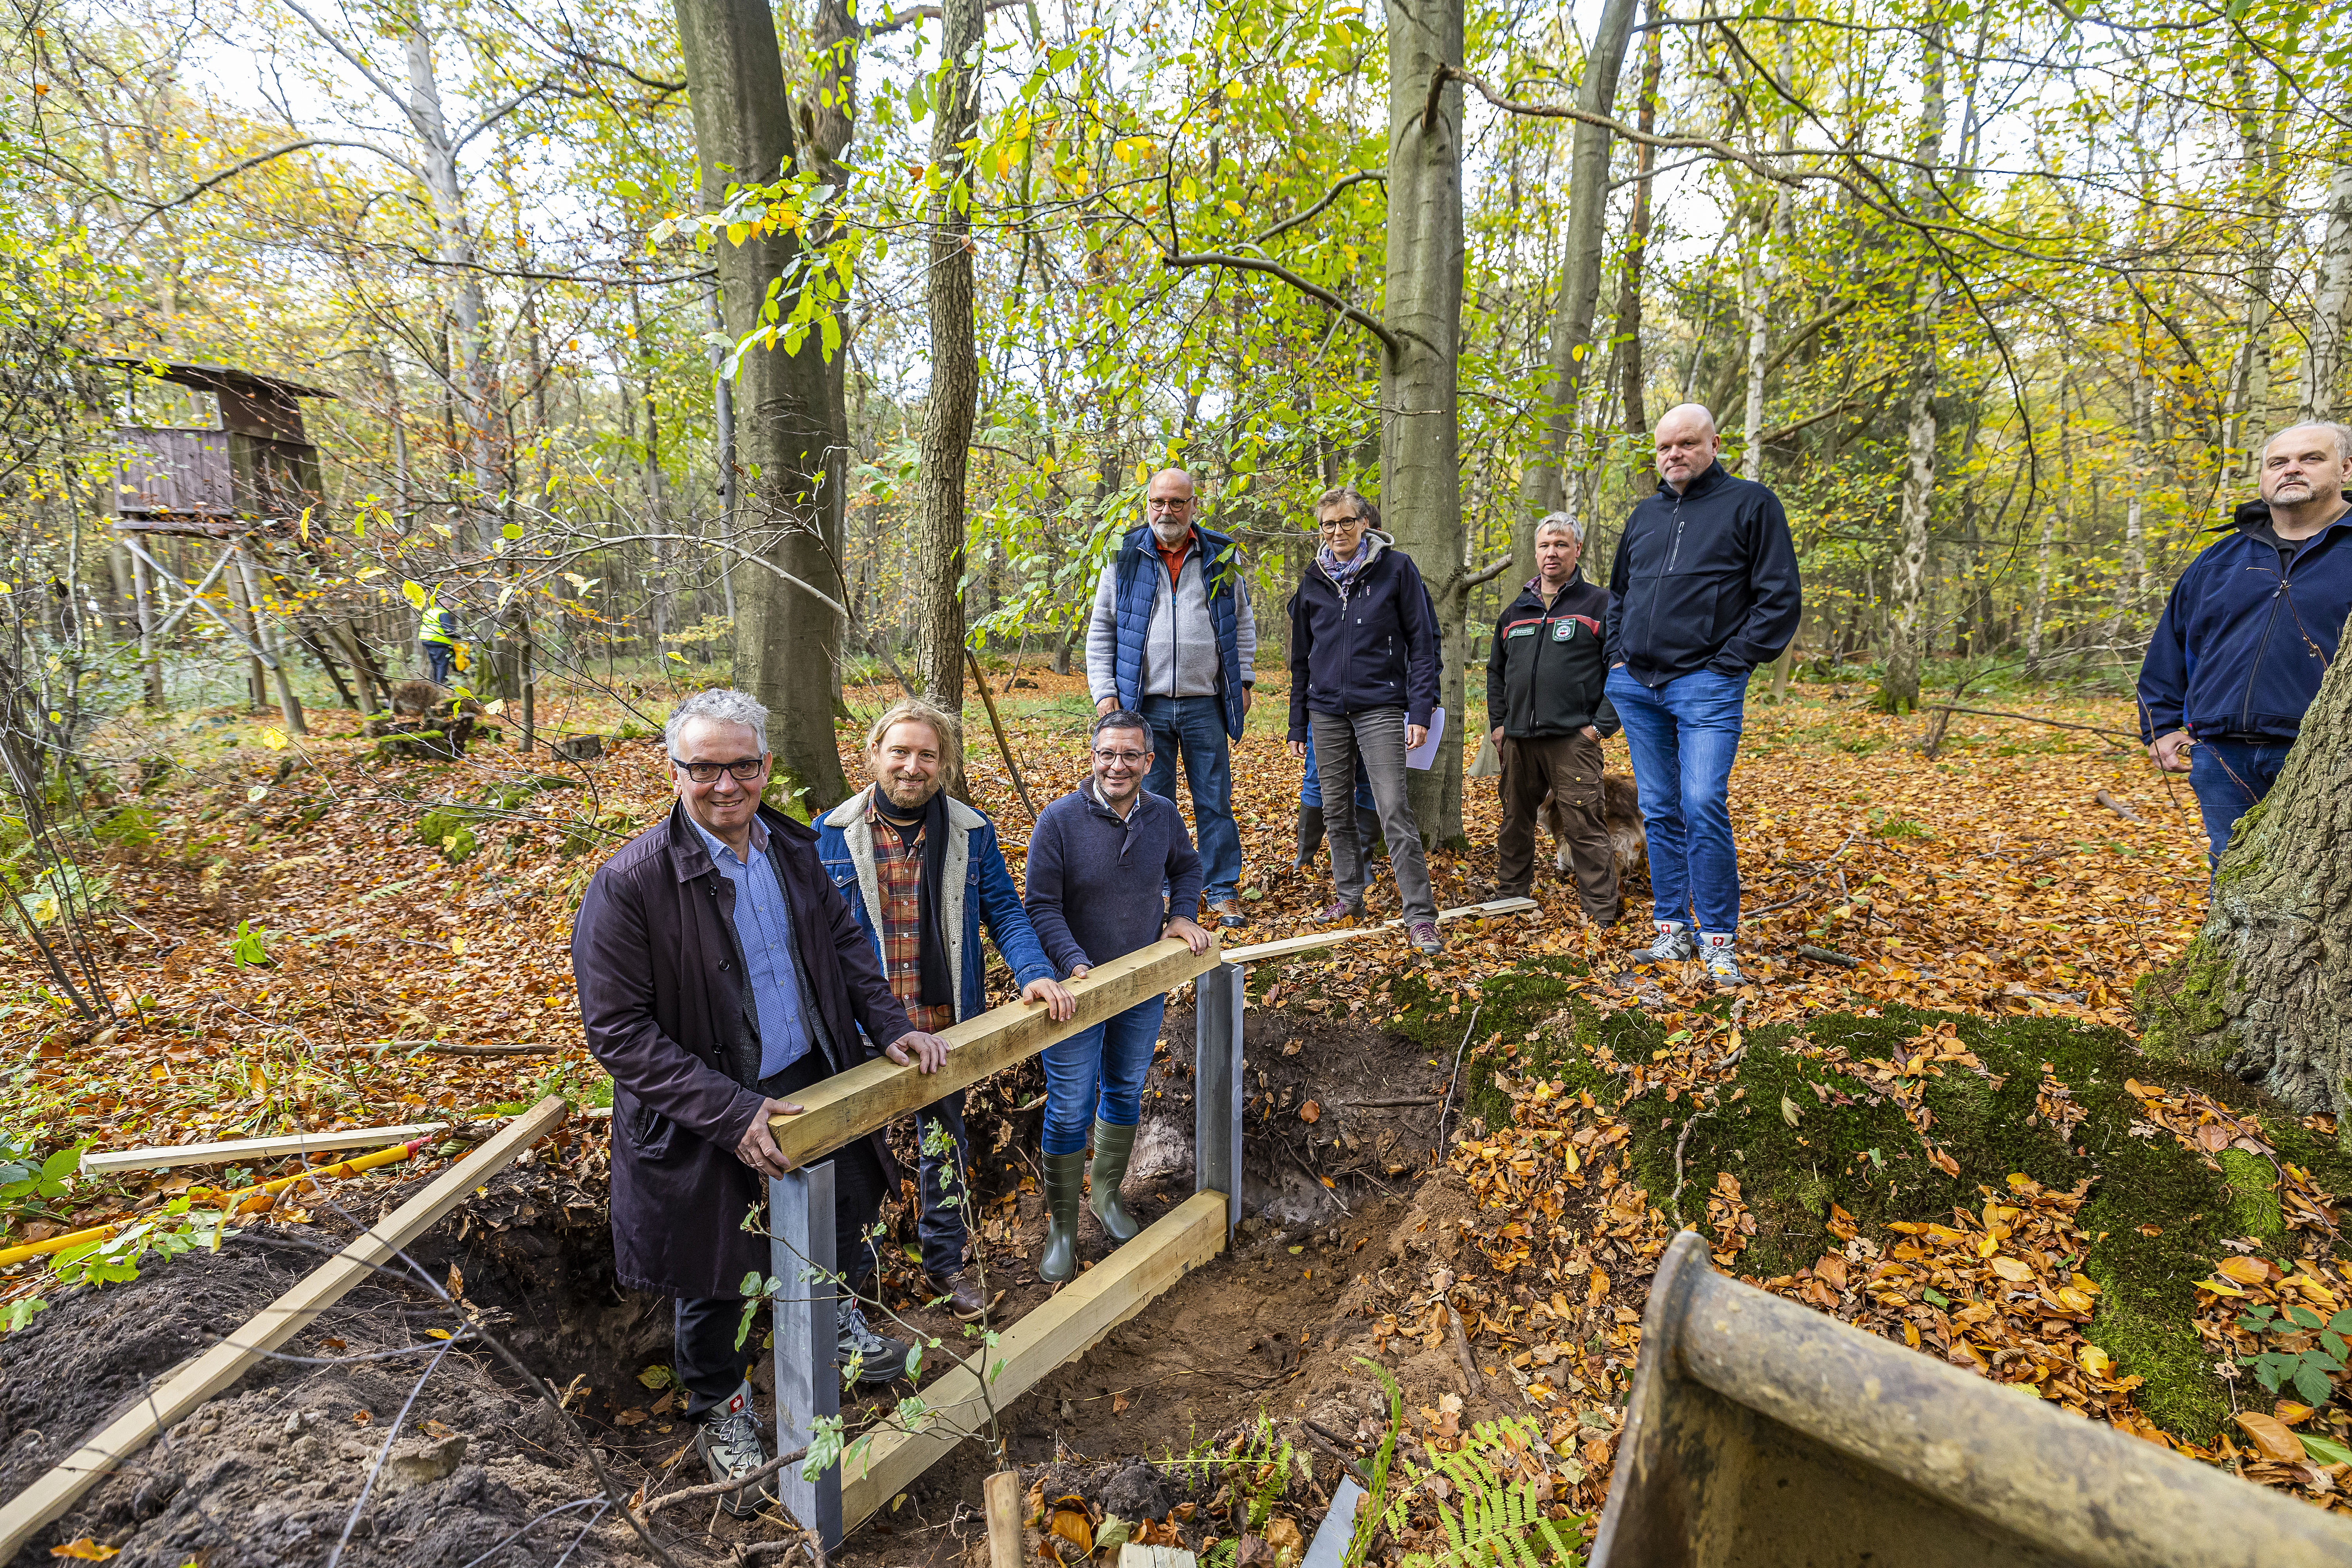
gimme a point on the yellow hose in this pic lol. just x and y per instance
(244, 1200)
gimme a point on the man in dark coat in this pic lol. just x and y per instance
(720, 972)
(2250, 630)
(1704, 589)
(1544, 694)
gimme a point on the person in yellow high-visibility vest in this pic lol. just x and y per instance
(438, 630)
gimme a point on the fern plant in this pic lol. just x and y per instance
(1501, 1523)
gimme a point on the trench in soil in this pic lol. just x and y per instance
(1344, 1216)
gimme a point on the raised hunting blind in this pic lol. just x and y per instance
(211, 450)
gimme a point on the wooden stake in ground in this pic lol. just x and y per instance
(198, 1380)
(1002, 1493)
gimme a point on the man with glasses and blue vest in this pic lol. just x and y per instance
(1171, 637)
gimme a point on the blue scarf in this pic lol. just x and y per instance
(1344, 573)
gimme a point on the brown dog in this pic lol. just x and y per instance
(1621, 813)
(420, 698)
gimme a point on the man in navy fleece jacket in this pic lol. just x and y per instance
(1098, 859)
(2250, 628)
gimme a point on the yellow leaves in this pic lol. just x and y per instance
(415, 593)
(2093, 1360)
(2075, 1300)
(274, 738)
(84, 1551)
(1071, 1525)
(2245, 1270)
(2015, 1270)
(2271, 1439)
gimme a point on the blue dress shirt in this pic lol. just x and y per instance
(764, 929)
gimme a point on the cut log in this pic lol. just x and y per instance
(201, 1377)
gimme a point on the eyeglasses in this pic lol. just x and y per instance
(1114, 758)
(1333, 524)
(744, 771)
(1169, 503)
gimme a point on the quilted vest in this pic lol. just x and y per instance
(1139, 573)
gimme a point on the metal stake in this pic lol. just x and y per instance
(807, 1336)
(1217, 1088)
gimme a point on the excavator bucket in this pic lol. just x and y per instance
(1764, 1434)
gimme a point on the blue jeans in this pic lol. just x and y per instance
(439, 657)
(1682, 737)
(1098, 1074)
(2227, 776)
(1195, 726)
(1310, 788)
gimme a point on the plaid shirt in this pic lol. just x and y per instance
(899, 875)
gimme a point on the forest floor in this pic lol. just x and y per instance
(1953, 1143)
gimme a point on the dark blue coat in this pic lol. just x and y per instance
(1137, 582)
(1375, 649)
(2241, 650)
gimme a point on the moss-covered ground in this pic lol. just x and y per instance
(2158, 1214)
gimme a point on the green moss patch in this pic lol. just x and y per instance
(1802, 1129)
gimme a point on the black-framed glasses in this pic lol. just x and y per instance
(1113, 759)
(708, 773)
(1330, 524)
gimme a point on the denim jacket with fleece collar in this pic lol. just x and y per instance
(979, 888)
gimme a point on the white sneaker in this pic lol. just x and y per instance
(1721, 966)
(1673, 945)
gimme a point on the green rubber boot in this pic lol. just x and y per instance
(1112, 1147)
(1065, 1178)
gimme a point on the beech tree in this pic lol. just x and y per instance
(2265, 991)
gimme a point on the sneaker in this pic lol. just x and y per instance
(1423, 935)
(728, 1441)
(1338, 910)
(1673, 945)
(1721, 966)
(879, 1359)
(1228, 913)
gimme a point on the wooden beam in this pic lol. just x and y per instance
(105, 1161)
(872, 1095)
(1289, 945)
(164, 1157)
(200, 1378)
(1063, 1327)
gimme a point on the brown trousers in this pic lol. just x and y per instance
(1567, 768)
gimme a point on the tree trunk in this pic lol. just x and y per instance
(1899, 692)
(1630, 371)
(470, 378)
(788, 642)
(1420, 436)
(831, 116)
(2265, 991)
(2131, 590)
(949, 410)
(1580, 268)
(2331, 316)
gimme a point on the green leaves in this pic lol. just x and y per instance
(245, 948)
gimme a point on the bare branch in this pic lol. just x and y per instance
(1314, 291)
(1317, 210)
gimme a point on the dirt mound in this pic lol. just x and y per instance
(272, 1473)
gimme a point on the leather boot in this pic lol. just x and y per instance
(1310, 836)
(1065, 1178)
(1112, 1147)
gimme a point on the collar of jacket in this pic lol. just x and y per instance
(1713, 476)
(1375, 542)
(687, 857)
(851, 818)
(1534, 584)
(2254, 513)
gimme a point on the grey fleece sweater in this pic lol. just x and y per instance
(1179, 647)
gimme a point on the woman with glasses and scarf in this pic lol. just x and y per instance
(1098, 859)
(1363, 681)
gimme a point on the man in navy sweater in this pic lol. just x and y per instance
(1098, 859)
(2250, 628)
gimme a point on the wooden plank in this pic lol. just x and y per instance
(874, 1094)
(101, 1162)
(1063, 1327)
(164, 1156)
(200, 1378)
(1288, 945)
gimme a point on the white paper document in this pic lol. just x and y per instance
(1426, 754)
